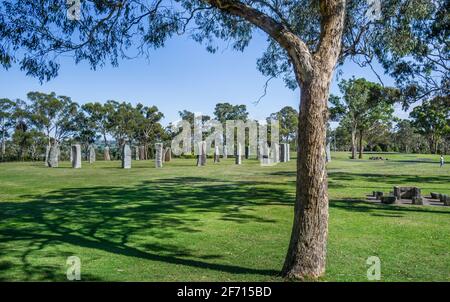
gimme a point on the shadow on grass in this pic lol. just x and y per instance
(389, 179)
(416, 161)
(335, 179)
(105, 217)
(385, 210)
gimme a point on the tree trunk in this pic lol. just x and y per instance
(3, 144)
(145, 155)
(361, 149)
(106, 155)
(313, 70)
(353, 143)
(3, 148)
(432, 145)
(307, 248)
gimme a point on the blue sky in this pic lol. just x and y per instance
(182, 75)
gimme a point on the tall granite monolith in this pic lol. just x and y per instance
(216, 154)
(47, 152)
(76, 156)
(92, 155)
(158, 155)
(288, 152)
(328, 152)
(275, 153)
(258, 151)
(53, 155)
(168, 154)
(283, 153)
(136, 151)
(126, 157)
(238, 158)
(106, 155)
(265, 158)
(201, 157)
(142, 155)
(225, 151)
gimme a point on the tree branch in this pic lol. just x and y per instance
(332, 24)
(297, 49)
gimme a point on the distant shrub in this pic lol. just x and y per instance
(378, 149)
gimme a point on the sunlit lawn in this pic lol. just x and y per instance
(220, 222)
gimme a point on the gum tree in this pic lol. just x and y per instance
(432, 120)
(307, 39)
(86, 132)
(123, 122)
(148, 126)
(288, 118)
(54, 115)
(6, 121)
(363, 105)
(100, 115)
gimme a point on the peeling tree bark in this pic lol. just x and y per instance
(307, 250)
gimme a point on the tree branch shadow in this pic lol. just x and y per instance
(106, 217)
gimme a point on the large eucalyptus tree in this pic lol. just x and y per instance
(6, 122)
(307, 39)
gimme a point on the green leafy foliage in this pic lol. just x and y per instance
(432, 119)
(410, 39)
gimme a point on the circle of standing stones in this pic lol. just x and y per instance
(266, 155)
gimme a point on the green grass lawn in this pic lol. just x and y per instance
(220, 222)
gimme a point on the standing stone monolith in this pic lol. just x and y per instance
(142, 155)
(328, 152)
(225, 151)
(47, 152)
(201, 157)
(259, 151)
(136, 150)
(283, 153)
(106, 155)
(265, 156)
(53, 155)
(288, 152)
(76, 156)
(92, 155)
(126, 157)
(275, 153)
(168, 154)
(216, 154)
(158, 155)
(238, 158)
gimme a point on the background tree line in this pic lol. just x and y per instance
(364, 112)
(29, 127)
